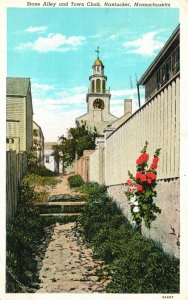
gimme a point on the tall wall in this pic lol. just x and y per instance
(16, 167)
(97, 163)
(168, 201)
(83, 165)
(157, 122)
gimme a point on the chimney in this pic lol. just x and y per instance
(128, 106)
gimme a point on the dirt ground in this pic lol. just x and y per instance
(61, 188)
(68, 265)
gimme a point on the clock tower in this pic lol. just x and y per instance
(98, 99)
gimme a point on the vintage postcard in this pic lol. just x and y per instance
(94, 167)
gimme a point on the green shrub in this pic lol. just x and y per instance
(22, 234)
(93, 188)
(36, 180)
(40, 170)
(136, 264)
(75, 181)
(144, 268)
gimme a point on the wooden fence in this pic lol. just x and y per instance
(16, 167)
(158, 122)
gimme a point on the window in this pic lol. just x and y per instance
(9, 140)
(103, 86)
(47, 159)
(93, 86)
(158, 77)
(166, 71)
(177, 59)
(98, 85)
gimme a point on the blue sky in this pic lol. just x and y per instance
(56, 49)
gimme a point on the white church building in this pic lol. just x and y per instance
(98, 100)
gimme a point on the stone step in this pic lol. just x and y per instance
(65, 203)
(60, 214)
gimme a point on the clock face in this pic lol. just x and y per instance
(98, 103)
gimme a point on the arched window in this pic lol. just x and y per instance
(103, 86)
(93, 86)
(98, 85)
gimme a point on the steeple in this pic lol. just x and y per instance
(98, 79)
(98, 99)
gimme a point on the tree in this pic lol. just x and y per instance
(33, 160)
(78, 139)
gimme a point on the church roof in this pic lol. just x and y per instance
(17, 86)
(98, 62)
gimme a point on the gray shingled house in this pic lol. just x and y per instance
(19, 114)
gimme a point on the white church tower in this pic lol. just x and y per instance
(98, 99)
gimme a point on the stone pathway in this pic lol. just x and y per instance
(68, 266)
(61, 188)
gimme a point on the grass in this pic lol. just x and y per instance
(38, 180)
(136, 264)
(24, 232)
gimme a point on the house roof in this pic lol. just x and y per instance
(158, 58)
(38, 128)
(17, 86)
(48, 145)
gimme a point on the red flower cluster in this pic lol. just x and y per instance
(141, 176)
(148, 177)
(144, 157)
(130, 182)
(132, 186)
(151, 175)
(154, 163)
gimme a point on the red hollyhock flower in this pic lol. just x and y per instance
(154, 176)
(155, 160)
(153, 166)
(138, 175)
(151, 175)
(130, 190)
(145, 157)
(129, 182)
(143, 177)
(149, 181)
(139, 161)
(140, 188)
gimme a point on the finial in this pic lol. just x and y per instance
(97, 52)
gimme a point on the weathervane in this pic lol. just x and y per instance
(97, 51)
